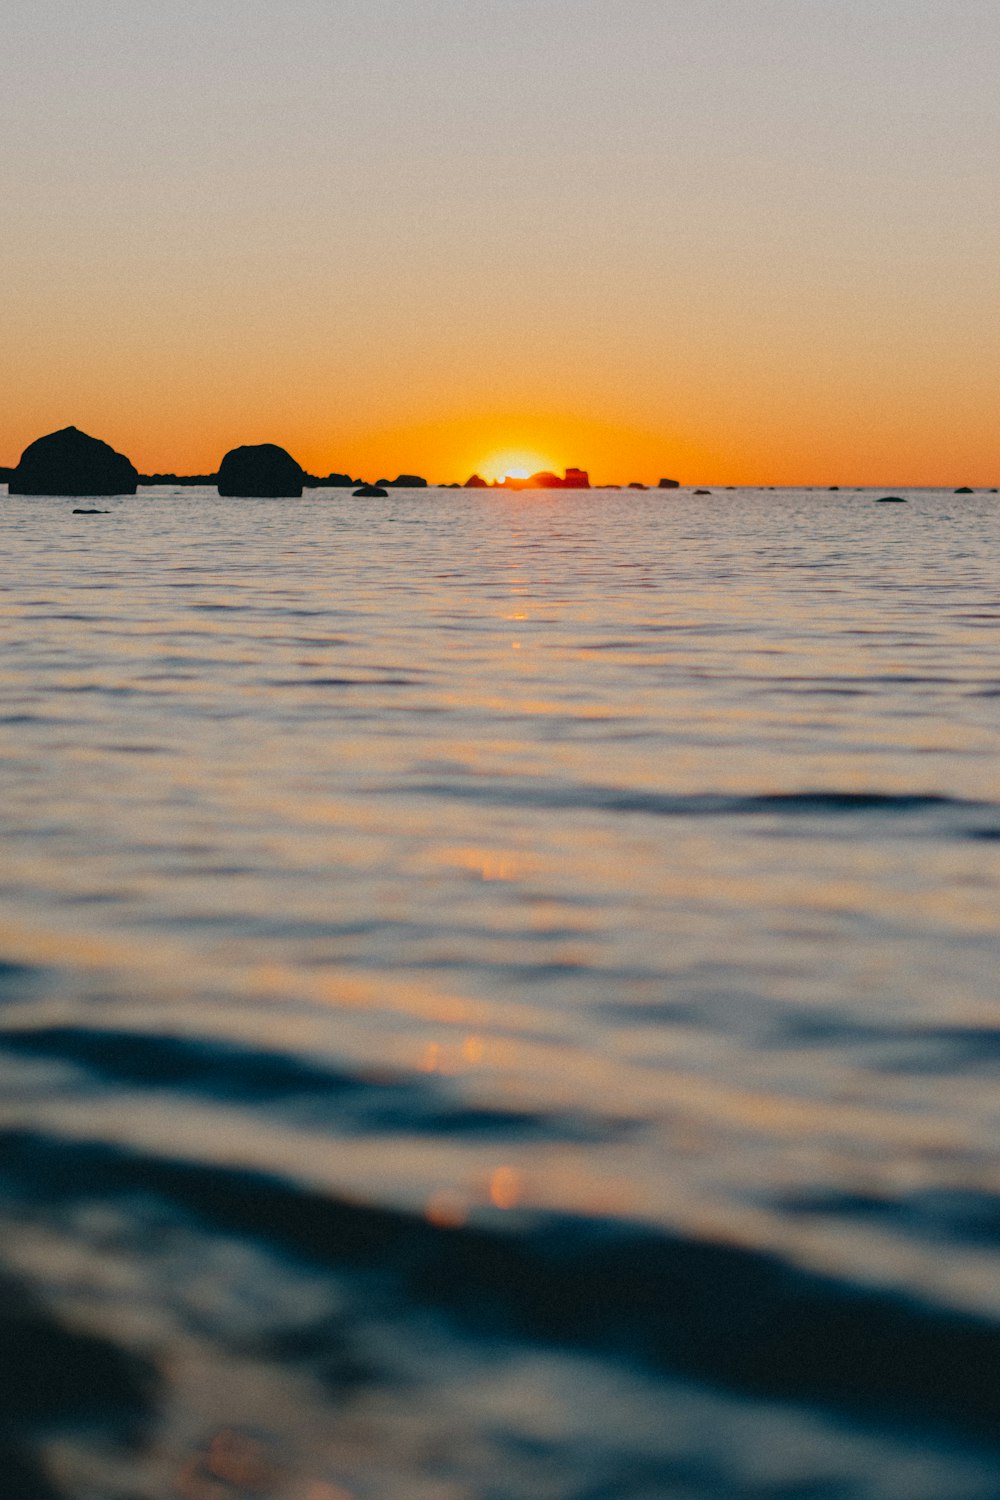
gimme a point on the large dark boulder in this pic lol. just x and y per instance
(476, 483)
(71, 463)
(669, 484)
(371, 492)
(264, 470)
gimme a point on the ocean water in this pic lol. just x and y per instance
(498, 997)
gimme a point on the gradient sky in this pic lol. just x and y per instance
(731, 240)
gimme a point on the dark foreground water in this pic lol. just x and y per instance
(499, 997)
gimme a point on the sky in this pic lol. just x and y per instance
(730, 241)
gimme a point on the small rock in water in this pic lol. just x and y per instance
(372, 492)
(890, 500)
(703, 492)
(80, 510)
(965, 490)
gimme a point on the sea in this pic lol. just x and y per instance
(499, 996)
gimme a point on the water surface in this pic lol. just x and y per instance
(498, 996)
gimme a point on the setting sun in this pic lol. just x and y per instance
(513, 464)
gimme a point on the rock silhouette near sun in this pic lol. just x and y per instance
(261, 471)
(69, 462)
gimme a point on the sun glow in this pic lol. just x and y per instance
(513, 465)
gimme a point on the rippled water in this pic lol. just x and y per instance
(499, 997)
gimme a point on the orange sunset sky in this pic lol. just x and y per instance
(726, 242)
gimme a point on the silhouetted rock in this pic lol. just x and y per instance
(80, 511)
(71, 463)
(669, 484)
(329, 482)
(475, 483)
(573, 479)
(890, 500)
(372, 492)
(405, 482)
(178, 479)
(703, 492)
(635, 485)
(834, 487)
(965, 490)
(264, 470)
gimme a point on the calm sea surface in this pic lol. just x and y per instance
(499, 997)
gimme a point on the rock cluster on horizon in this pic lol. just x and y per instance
(574, 479)
(260, 471)
(69, 462)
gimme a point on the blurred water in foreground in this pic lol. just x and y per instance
(499, 997)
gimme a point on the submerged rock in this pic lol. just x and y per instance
(372, 492)
(965, 490)
(69, 462)
(79, 510)
(890, 500)
(703, 492)
(264, 470)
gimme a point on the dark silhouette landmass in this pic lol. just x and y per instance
(179, 479)
(574, 479)
(69, 462)
(476, 483)
(264, 470)
(330, 482)
(669, 484)
(372, 492)
(404, 482)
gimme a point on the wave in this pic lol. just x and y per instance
(226, 1071)
(723, 1314)
(50, 1374)
(558, 796)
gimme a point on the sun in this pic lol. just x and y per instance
(513, 464)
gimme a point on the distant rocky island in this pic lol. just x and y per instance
(574, 479)
(70, 462)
